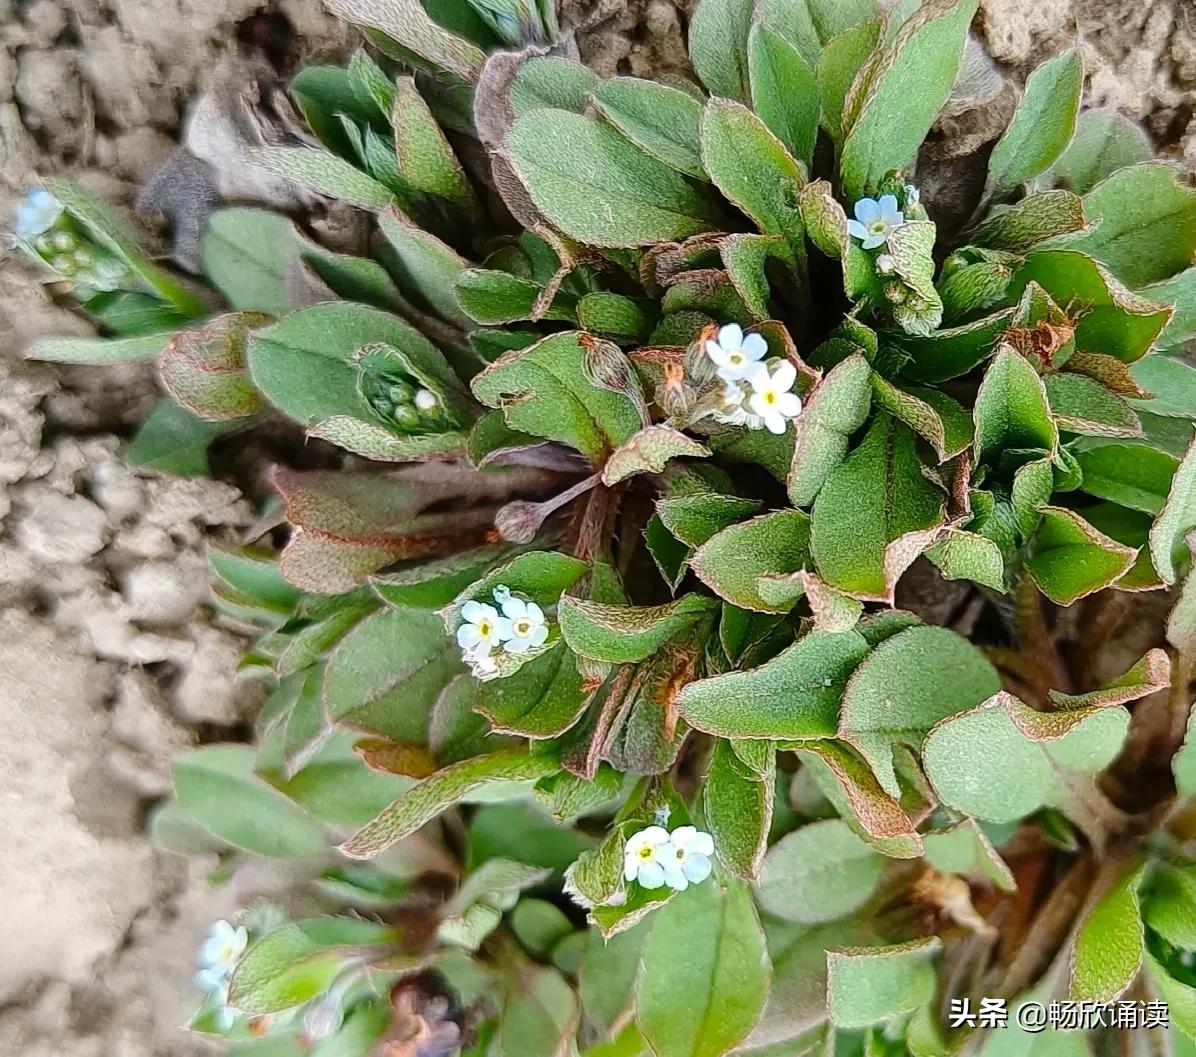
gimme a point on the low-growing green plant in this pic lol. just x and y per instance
(596, 705)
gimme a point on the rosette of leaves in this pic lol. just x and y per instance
(1007, 397)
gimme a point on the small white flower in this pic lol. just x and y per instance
(219, 953)
(912, 195)
(525, 623)
(733, 354)
(686, 857)
(426, 400)
(885, 264)
(875, 221)
(730, 411)
(772, 397)
(482, 631)
(641, 856)
(37, 213)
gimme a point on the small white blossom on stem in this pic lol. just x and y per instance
(219, 954)
(426, 400)
(38, 212)
(735, 355)
(526, 624)
(875, 221)
(772, 396)
(642, 856)
(482, 631)
(686, 858)
(912, 195)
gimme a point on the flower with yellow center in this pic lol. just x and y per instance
(772, 397)
(642, 857)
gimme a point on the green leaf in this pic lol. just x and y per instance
(296, 963)
(705, 1003)
(216, 786)
(784, 92)
(539, 1016)
(99, 352)
(695, 518)
(819, 873)
(1110, 944)
(1183, 765)
(877, 496)
(1070, 558)
(904, 87)
(934, 416)
(964, 849)
(649, 451)
(794, 695)
(598, 187)
(662, 120)
(1082, 405)
(718, 36)
(1135, 475)
(1168, 907)
(1115, 321)
(837, 408)
(849, 784)
(963, 555)
(954, 351)
(542, 699)
(424, 265)
(425, 159)
(204, 369)
(407, 23)
(751, 166)
(607, 976)
(1145, 224)
(246, 253)
(1105, 141)
(874, 985)
(1036, 218)
(172, 440)
(545, 390)
(493, 297)
(1179, 291)
(1003, 761)
(1012, 409)
(302, 364)
(438, 793)
(624, 634)
(436, 582)
(322, 171)
(1043, 125)
(738, 804)
(907, 685)
(553, 83)
(386, 674)
(1176, 519)
(837, 67)
(1172, 383)
(732, 562)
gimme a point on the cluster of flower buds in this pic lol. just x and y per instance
(45, 230)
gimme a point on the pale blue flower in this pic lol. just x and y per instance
(482, 630)
(735, 355)
(642, 856)
(219, 954)
(37, 213)
(875, 221)
(525, 625)
(686, 857)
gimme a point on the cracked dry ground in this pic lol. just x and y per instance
(109, 659)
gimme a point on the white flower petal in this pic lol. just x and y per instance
(517, 645)
(674, 876)
(889, 210)
(696, 867)
(789, 405)
(872, 241)
(502, 630)
(867, 210)
(701, 843)
(468, 636)
(856, 229)
(514, 607)
(682, 837)
(731, 336)
(650, 874)
(539, 636)
(534, 613)
(784, 376)
(775, 423)
(755, 346)
(758, 404)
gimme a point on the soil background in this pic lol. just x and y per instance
(110, 659)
